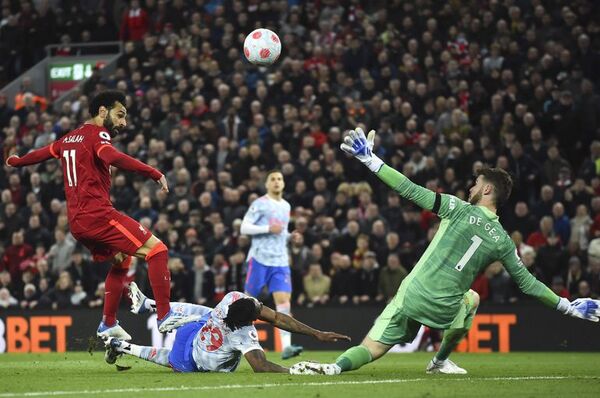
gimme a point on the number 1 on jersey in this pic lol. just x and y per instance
(69, 156)
(469, 253)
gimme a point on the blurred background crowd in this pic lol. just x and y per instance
(449, 87)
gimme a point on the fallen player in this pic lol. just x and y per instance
(214, 339)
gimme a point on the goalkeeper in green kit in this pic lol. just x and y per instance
(437, 291)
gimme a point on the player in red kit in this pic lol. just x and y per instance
(86, 155)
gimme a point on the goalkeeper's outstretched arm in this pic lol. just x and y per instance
(585, 308)
(359, 146)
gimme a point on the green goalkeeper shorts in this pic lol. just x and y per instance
(394, 327)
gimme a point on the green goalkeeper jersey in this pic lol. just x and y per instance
(469, 238)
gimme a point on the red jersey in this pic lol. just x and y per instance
(86, 154)
(86, 176)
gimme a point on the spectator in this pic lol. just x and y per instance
(59, 297)
(316, 287)
(30, 297)
(541, 236)
(60, 252)
(575, 275)
(367, 279)
(584, 291)
(343, 282)
(204, 288)
(503, 98)
(17, 252)
(79, 295)
(180, 280)
(6, 300)
(134, 24)
(362, 247)
(220, 288)
(558, 287)
(83, 272)
(98, 298)
(562, 225)
(390, 278)
(553, 165)
(522, 220)
(499, 283)
(580, 227)
(6, 281)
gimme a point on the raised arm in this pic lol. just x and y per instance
(110, 155)
(33, 157)
(361, 147)
(286, 322)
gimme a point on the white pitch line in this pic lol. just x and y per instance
(276, 385)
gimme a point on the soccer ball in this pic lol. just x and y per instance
(262, 47)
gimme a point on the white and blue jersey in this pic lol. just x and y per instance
(268, 261)
(269, 249)
(209, 345)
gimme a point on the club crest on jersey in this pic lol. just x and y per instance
(142, 229)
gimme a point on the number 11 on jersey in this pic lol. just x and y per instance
(469, 253)
(69, 156)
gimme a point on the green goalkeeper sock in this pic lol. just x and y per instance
(451, 339)
(354, 358)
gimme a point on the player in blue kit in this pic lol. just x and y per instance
(267, 222)
(213, 339)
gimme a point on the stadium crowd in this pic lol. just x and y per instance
(449, 88)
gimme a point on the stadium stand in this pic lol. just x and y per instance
(449, 88)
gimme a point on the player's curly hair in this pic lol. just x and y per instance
(501, 180)
(106, 99)
(242, 313)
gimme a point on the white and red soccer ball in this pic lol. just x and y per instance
(262, 47)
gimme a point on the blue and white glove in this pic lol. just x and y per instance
(361, 147)
(584, 308)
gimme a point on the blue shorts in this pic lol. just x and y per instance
(180, 357)
(277, 279)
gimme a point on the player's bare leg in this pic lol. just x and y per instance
(440, 363)
(115, 348)
(282, 304)
(114, 285)
(154, 251)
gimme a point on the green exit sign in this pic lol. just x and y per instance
(71, 72)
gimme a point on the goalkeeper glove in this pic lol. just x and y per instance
(584, 308)
(361, 147)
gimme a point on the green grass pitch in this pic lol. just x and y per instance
(395, 375)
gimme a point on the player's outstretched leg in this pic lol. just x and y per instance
(156, 255)
(115, 282)
(115, 348)
(352, 359)
(141, 304)
(459, 329)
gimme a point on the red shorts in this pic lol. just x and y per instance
(109, 233)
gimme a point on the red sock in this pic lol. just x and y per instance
(160, 278)
(114, 284)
